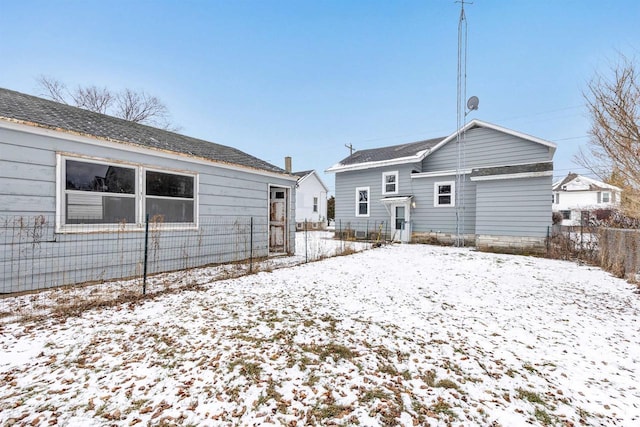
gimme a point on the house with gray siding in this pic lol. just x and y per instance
(75, 182)
(483, 185)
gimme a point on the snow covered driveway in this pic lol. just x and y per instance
(400, 335)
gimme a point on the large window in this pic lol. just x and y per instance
(169, 197)
(99, 193)
(390, 182)
(444, 193)
(362, 201)
(103, 193)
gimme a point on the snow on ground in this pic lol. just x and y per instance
(310, 246)
(399, 335)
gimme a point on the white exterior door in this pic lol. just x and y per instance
(400, 222)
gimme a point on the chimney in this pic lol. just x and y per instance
(287, 164)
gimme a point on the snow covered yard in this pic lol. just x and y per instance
(400, 335)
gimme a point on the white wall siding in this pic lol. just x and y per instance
(307, 189)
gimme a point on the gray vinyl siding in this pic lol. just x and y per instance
(486, 148)
(425, 217)
(28, 189)
(347, 182)
(442, 219)
(513, 207)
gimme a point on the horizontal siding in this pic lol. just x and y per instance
(514, 207)
(487, 147)
(16, 153)
(28, 189)
(11, 169)
(26, 186)
(428, 218)
(347, 182)
(26, 204)
(424, 218)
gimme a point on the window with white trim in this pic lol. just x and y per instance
(315, 204)
(362, 201)
(104, 193)
(99, 193)
(390, 182)
(444, 193)
(606, 197)
(169, 196)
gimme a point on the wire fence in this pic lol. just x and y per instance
(616, 250)
(573, 242)
(42, 271)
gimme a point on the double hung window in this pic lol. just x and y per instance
(362, 201)
(390, 183)
(444, 193)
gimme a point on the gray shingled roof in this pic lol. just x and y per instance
(32, 110)
(504, 170)
(570, 177)
(391, 152)
(302, 174)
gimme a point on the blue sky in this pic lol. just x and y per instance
(299, 78)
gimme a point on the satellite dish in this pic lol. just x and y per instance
(472, 103)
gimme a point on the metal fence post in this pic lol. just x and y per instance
(306, 243)
(146, 254)
(251, 246)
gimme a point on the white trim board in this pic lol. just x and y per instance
(439, 173)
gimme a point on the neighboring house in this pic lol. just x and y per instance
(96, 174)
(575, 194)
(311, 200)
(491, 189)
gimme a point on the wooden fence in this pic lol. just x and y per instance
(619, 252)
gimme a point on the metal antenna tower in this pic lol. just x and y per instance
(461, 122)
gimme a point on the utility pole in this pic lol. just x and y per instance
(350, 147)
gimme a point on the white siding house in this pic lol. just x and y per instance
(311, 200)
(575, 194)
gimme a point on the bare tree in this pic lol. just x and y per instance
(138, 107)
(613, 151)
(141, 107)
(93, 98)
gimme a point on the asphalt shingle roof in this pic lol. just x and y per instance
(302, 174)
(391, 152)
(505, 170)
(31, 110)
